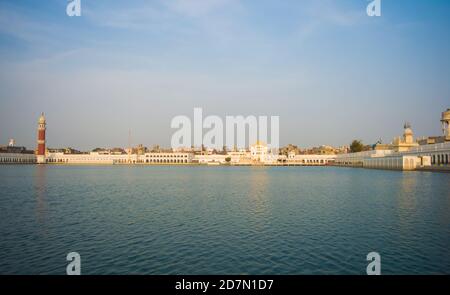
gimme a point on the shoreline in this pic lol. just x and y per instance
(434, 169)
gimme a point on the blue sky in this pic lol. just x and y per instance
(328, 70)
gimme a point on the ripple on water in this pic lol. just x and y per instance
(217, 220)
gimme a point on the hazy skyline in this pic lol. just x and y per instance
(329, 71)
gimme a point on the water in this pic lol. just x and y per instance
(222, 220)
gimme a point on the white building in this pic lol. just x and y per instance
(102, 158)
(259, 152)
(311, 160)
(168, 158)
(17, 158)
(213, 159)
(406, 154)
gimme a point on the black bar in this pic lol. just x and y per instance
(281, 284)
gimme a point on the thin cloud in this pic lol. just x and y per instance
(199, 8)
(23, 28)
(127, 17)
(318, 14)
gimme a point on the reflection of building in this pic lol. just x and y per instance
(40, 152)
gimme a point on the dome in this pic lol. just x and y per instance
(446, 116)
(408, 131)
(42, 119)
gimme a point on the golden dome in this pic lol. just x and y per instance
(42, 119)
(446, 116)
(407, 129)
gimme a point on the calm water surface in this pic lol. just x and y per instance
(222, 220)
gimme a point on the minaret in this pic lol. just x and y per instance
(446, 124)
(40, 152)
(408, 135)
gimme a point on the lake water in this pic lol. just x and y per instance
(222, 220)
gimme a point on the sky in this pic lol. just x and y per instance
(328, 70)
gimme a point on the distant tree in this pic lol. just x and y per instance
(228, 159)
(356, 146)
(98, 150)
(289, 148)
(156, 149)
(368, 148)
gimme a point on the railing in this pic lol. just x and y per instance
(437, 147)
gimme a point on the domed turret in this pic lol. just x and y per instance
(445, 120)
(408, 134)
(42, 119)
(407, 142)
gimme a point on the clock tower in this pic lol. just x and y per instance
(40, 152)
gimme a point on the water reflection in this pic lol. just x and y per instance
(406, 199)
(407, 202)
(40, 192)
(223, 219)
(258, 192)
